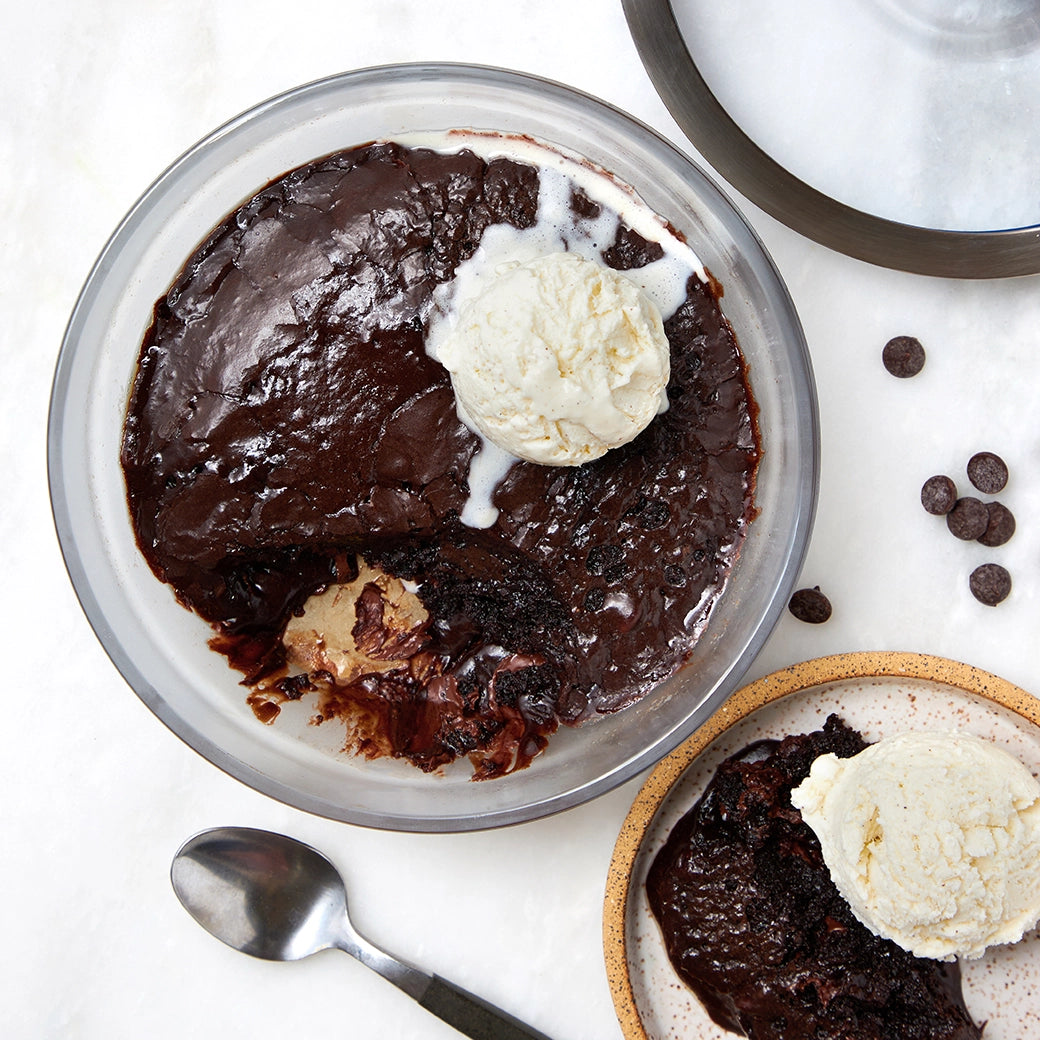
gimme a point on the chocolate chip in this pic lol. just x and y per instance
(582, 535)
(674, 575)
(987, 472)
(990, 583)
(903, 356)
(1001, 525)
(938, 495)
(968, 519)
(601, 557)
(810, 605)
(654, 516)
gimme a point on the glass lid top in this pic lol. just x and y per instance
(904, 132)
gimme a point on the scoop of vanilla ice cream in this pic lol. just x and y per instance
(932, 838)
(557, 359)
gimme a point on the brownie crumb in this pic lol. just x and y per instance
(810, 605)
(1001, 525)
(903, 356)
(938, 495)
(990, 584)
(987, 472)
(968, 519)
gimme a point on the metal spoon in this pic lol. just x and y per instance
(273, 897)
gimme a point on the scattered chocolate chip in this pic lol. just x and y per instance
(903, 356)
(990, 583)
(987, 472)
(938, 495)
(810, 605)
(968, 519)
(1001, 525)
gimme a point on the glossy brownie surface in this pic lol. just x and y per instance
(286, 419)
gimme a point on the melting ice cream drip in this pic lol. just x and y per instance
(557, 229)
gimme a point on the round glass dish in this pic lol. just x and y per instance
(161, 649)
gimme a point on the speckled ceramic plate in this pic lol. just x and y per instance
(877, 693)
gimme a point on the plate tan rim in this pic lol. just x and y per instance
(779, 684)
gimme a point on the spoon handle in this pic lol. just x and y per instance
(472, 1016)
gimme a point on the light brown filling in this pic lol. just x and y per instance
(371, 625)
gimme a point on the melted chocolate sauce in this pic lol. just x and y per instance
(755, 926)
(285, 418)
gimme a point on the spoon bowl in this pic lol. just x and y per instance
(276, 898)
(262, 893)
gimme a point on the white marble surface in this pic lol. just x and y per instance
(97, 99)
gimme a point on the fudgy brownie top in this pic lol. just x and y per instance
(286, 419)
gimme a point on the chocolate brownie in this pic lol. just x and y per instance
(755, 926)
(287, 429)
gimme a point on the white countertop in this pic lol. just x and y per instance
(98, 98)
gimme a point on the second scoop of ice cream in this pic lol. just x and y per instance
(558, 359)
(932, 838)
